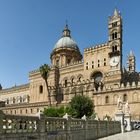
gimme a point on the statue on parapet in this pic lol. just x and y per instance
(120, 103)
(127, 108)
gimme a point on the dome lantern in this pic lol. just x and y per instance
(66, 31)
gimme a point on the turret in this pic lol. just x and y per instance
(131, 62)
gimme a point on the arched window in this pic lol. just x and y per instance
(80, 77)
(14, 100)
(66, 83)
(20, 99)
(87, 66)
(72, 80)
(7, 101)
(124, 97)
(107, 99)
(115, 47)
(97, 76)
(112, 48)
(115, 35)
(40, 89)
(26, 111)
(31, 110)
(57, 62)
(68, 61)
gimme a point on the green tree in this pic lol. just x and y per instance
(80, 106)
(50, 112)
(54, 112)
(44, 71)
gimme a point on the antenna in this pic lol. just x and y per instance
(66, 22)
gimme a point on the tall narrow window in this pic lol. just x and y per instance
(115, 47)
(40, 89)
(7, 101)
(98, 63)
(14, 100)
(37, 110)
(20, 99)
(72, 80)
(68, 61)
(79, 79)
(87, 66)
(26, 111)
(92, 64)
(66, 83)
(106, 99)
(104, 61)
(31, 110)
(115, 35)
(57, 62)
(124, 97)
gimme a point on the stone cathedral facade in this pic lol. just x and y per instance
(98, 74)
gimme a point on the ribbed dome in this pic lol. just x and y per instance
(66, 42)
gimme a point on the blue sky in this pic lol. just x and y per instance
(29, 30)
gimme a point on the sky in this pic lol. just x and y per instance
(29, 30)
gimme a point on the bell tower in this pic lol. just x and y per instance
(131, 62)
(115, 41)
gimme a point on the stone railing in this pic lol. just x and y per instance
(44, 128)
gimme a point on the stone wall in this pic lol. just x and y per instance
(42, 128)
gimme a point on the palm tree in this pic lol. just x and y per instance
(44, 71)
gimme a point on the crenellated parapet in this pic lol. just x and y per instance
(96, 47)
(15, 88)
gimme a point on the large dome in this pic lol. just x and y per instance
(66, 42)
(66, 50)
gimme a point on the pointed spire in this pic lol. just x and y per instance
(116, 13)
(131, 53)
(66, 31)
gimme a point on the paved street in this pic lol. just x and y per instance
(134, 135)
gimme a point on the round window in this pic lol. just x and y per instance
(98, 76)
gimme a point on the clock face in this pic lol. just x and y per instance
(114, 61)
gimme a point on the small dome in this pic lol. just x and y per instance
(66, 42)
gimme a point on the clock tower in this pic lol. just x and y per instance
(115, 45)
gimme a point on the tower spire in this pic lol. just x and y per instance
(131, 62)
(116, 13)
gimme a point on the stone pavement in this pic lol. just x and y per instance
(133, 135)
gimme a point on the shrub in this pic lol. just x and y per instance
(80, 106)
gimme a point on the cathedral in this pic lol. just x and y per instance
(98, 74)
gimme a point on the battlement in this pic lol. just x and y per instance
(20, 87)
(122, 86)
(96, 47)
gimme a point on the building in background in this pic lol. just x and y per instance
(98, 74)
